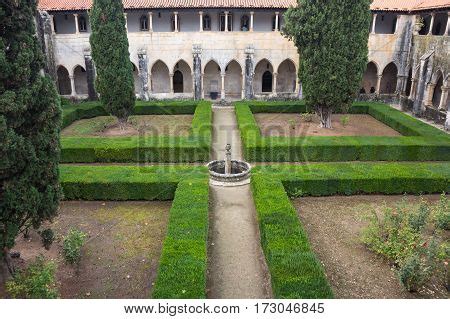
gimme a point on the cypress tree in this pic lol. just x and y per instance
(332, 40)
(30, 123)
(109, 44)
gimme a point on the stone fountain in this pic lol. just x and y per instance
(229, 172)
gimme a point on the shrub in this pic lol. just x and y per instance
(47, 237)
(307, 117)
(442, 213)
(37, 281)
(345, 119)
(72, 245)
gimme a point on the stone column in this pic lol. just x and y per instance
(418, 107)
(374, 21)
(430, 92)
(198, 76)
(222, 91)
(401, 84)
(243, 87)
(299, 89)
(90, 74)
(412, 94)
(248, 87)
(277, 17)
(176, 20)
(77, 29)
(251, 20)
(447, 29)
(46, 32)
(200, 14)
(378, 84)
(126, 20)
(431, 24)
(226, 21)
(447, 120)
(150, 21)
(274, 84)
(143, 74)
(52, 23)
(72, 85)
(203, 85)
(171, 83)
(444, 97)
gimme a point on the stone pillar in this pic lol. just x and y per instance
(447, 29)
(226, 21)
(126, 20)
(274, 84)
(143, 74)
(430, 92)
(374, 21)
(72, 85)
(444, 97)
(198, 76)
(277, 17)
(377, 91)
(203, 85)
(52, 23)
(150, 21)
(46, 32)
(200, 14)
(222, 91)
(248, 87)
(90, 75)
(447, 120)
(431, 24)
(176, 20)
(243, 87)
(171, 83)
(77, 28)
(412, 94)
(418, 107)
(251, 20)
(300, 89)
(401, 84)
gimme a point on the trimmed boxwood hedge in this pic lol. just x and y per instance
(294, 269)
(421, 142)
(183, 262)
(163, 149)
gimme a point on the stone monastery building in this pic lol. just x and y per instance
(233, 49)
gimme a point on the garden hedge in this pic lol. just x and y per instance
(295, 271)
(168, 149)
(183, 262)
(421, 142)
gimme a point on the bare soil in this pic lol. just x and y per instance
(155, 125)
(121, 255)
(292, 125)
(334, 226)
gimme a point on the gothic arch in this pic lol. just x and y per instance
(212, 80)
(262, 70)
(287, 77)
(370, 77)
(182, 77)
(389, 79)
(63, 80)
(160, 77)
(80, 79)
(233, 79)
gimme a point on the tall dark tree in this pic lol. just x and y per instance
(109, 44)
(30, 123)
(332, 40)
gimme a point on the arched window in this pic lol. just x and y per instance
(245, 23)
(144, 23)
(207, 23)
(82, 26)
(267, 82)
(178, 82)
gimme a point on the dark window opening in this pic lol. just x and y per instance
(207, 23)
(245, 23)
(222, 22)
(178, 82)
(144, 23)
(82, 25)
(267, 82)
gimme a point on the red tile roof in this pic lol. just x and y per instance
(409, 5)
(385, 5)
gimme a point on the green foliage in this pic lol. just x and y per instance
(47, 237)
(400, 236)
(168, 149)
(295, 270)
(183, 263)
(332, 40)
(307, 117)
(441, 213)
(30, 120)
(421, 142)
(345, 119)
(324, 179)
(37, 281)
(72, 244)
(109, 42)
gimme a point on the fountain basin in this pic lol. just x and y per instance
(240, 173)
